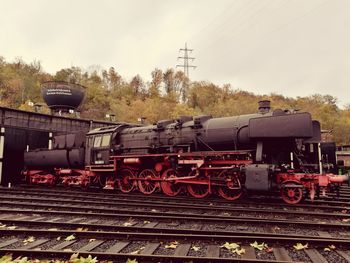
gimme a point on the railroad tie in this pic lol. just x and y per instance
(249, 252)
(344, 254)
(91, 246)
(324, 234)
(34, 244)
(213, 251)
(281, 254)
(8, 242)
(63, 245)
(150, 225)
(149, 248)
(182, 250)
(315, 256)
(74, 220)
(116, 248)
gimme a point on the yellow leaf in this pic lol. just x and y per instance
(326, 249)
(73, 256)
(29, 240)
(69, 238)
(131, 260)
(258, 246)
(2, 225)
(299, 246)
(239, 251)
(332, 247)
(127, 224)
(195, 248)
(172, 245)
(230, 246)
(146, 222)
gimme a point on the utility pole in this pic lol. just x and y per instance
(186, 60)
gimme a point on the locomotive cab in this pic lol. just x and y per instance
(101, 143)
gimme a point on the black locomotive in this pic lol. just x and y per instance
(268, 151)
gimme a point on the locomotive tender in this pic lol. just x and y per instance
(270, 151)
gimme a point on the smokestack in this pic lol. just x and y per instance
(264, 106)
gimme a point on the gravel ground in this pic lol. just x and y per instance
(228, 254)
(202, 249)
(78, 244)
(134, 247)
(161, 250)
(105, 245)
(298, 255)
(48, 245)
(332, 256)
(264, 255)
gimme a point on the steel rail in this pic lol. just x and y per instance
(104, 209)
(160, 216)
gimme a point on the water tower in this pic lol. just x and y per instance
(62, 97)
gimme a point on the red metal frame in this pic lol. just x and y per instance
(201, 173)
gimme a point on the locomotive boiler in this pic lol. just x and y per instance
(269, 151)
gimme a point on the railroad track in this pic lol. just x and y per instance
(111, 231)
(149, 246)
(331, 199)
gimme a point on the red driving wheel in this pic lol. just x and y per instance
(126, 182)
(146, 182)
(232, 188)
(170, 188)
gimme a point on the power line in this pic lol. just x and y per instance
(186, 60)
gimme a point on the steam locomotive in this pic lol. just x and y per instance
(269, 151)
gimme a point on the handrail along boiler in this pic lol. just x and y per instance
(269, 151)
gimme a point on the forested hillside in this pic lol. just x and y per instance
(169, 94)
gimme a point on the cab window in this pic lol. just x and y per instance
(97, 141)
(106, 140)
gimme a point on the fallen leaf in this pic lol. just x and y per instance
(346, 220)
(127, 224)
(146, 222)
(92, 240)
(53, 229)
(195, 248)
(58, 238)
(69, 238)
(154, 210)
(29, 240)
(73, 256)
(2, 225)
(269, 250)
(299, 246)
(131, 260)
(326, 249)
(332, 247)
(11, 227)
(239, 251)
(172, 245)
(258, 246)
(230, 246)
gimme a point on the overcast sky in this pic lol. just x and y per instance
(291, 47)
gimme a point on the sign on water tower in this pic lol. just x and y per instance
(62, 97)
